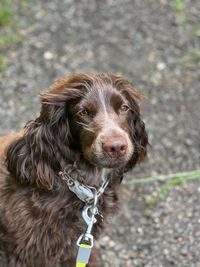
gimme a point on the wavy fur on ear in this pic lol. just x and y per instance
(41, 152)
(137, 126)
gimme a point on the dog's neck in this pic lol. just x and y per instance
(105, 173)
(92, 175)
(84, 173)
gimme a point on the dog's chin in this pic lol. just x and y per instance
(107, 162)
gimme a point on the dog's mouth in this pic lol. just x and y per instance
(104, 160)
(108, 163)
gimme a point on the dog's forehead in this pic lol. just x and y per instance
(101, 95)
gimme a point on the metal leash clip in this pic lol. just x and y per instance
(86, 240)
(89, 212)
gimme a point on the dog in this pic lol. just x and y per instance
(88, 124)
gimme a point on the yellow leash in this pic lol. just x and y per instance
(83, 255)
(80, 264)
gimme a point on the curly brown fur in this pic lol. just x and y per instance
(93, 120)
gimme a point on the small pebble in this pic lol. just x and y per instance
(48, 55)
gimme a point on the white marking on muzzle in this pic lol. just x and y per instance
(110, 127)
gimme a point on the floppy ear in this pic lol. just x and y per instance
(38, 155)
(137, 126)
(41, 153)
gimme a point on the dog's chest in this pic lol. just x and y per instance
(48, 227)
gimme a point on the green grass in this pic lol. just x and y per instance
(6, 41)
(179, 8)
(2, 62)
(23, 3)
(166, 177)
(9, 35)
(9, 38)
(7, 12)
(171, 180)
(162, 192)
(192, 56)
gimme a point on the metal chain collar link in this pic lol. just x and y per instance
(84, 192)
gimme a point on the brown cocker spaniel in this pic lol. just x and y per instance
(89, 123)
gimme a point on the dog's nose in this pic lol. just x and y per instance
(115, 147)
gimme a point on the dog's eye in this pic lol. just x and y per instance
(83, 112)
(124, 108)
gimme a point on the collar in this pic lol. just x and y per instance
(84, 192)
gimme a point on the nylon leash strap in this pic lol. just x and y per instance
(83, 255)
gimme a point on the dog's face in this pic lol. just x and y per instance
(101, 123)
(102, 118)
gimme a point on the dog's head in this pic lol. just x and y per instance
(95, 118)
(100, 115)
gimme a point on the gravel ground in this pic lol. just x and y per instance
(141, 40)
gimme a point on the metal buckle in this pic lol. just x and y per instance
(86, 237)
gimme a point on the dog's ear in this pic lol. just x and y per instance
(40, 154)
(137, 126)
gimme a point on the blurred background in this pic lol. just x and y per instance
(155, 44)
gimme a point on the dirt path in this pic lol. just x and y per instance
(143, 41)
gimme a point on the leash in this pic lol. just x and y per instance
(90, 195)
(86, 240)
